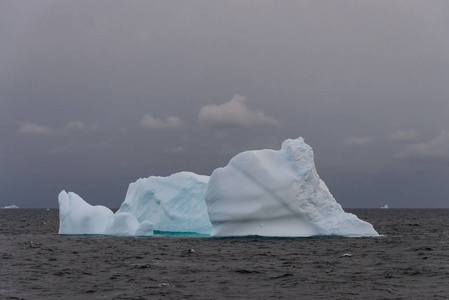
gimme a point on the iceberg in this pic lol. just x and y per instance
(277, 193)
(260, 192)
(384, 207)
(10, 207)
(77, 217)
(175, 203)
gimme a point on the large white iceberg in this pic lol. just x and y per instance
(277, 193)
(174, 203)
(76, 216)
(262, 192)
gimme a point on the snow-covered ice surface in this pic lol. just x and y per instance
(76, 216)
(277, 193)
(174, 203)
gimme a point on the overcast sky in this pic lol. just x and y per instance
(96, 94)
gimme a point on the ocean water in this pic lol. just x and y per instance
(409, 261)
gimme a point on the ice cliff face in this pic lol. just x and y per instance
(174, 203)
(277, 193)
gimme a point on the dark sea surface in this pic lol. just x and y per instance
(409, 261)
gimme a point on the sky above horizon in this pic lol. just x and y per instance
(96, 94)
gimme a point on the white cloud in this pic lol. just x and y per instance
(404, 136)
(32, 128)
(170, 123)
(438, 147)
(234, 113)
(76, 125)
(358, 141)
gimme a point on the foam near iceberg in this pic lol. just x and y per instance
(277, 193)
(173, 204)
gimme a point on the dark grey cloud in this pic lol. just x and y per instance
(437, 148)
(95, 94)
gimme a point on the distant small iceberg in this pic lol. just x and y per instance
(10, 207)
(384, 207)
